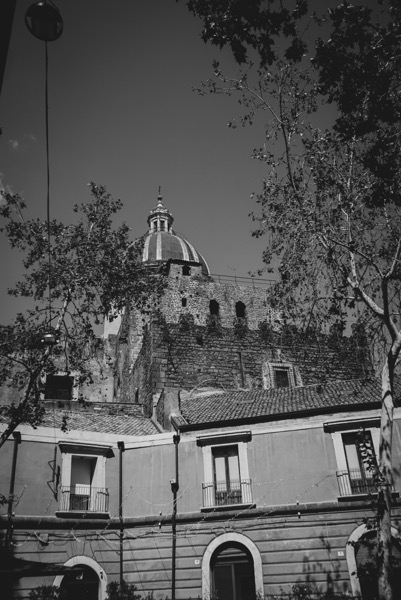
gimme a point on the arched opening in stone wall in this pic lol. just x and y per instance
(240, 310)
(186, 270)
(214, 308)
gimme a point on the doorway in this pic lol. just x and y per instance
(232, 571)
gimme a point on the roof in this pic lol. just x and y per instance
(164, 246)
(251, 405)
(118, 424)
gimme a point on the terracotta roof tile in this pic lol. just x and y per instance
(250, 404)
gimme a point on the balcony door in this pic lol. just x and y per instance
(82, 471)
(360, 477)
(233, 576)
(227, 478)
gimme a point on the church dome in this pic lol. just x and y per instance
(163, 244)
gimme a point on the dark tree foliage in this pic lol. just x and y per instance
(94, 271)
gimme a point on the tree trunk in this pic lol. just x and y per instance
(385, 483)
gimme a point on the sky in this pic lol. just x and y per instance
(123, 113)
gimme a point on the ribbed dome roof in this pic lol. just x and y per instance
(163, 244)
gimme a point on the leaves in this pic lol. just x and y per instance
(94, 271)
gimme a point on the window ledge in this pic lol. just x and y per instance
(218, 508)
(358, 497)
(79, 514)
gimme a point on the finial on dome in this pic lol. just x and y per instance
(160, 218)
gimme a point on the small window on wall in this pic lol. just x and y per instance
(186, 270)
(281, 377)
(59, 387)
(214, 308)
(162, 226)
(183, 302)
(240, 310)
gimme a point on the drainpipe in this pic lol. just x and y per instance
(17, 441)
(121, 448)
(174, 488)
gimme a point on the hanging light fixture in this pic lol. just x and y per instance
(44, 21)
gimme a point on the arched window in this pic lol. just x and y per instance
(240, 310)
(214, 307)
(162, 225)
(186, 270)
(232, 571)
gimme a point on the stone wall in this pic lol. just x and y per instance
(185, 356)
(192, 294)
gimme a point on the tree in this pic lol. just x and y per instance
(330, 206)
(76, 274)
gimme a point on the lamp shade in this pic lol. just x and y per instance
(44, 21)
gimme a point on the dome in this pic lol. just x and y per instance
(163, 244)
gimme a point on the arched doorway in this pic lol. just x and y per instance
(232, 573)
(90, 584)
(232, 568)
(366, 564)
(362, 562)
(82, 586)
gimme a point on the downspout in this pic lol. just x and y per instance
(17, 441)
(121, 448)
(174, 488)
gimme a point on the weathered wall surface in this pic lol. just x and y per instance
(185, 355)
(311, 548)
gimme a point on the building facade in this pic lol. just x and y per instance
(222, 457)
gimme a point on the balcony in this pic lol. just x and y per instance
(226, 493)
(354, 482)
(84, 499)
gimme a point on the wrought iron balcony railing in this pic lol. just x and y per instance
(84, 498)
(223, 493)
(354, 481)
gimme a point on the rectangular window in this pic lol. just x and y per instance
(59, 387)
(226, 472)
(360, 473)
(227, 480)
(82, 471)
(82, 487)
(356, 446)
(281, 377)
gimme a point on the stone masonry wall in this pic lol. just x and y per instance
(185, 355)
(197, 292)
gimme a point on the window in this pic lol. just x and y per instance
(240, 310)
(355, 475)
(186, 270)
(226, 473)
(83, 479)
(227, 479)
(280, 375)
(183, 302)
(162, 225)
(214, 307)
(59, 387)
